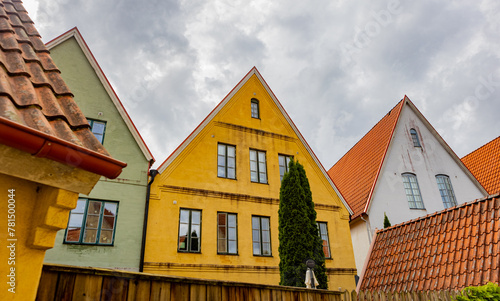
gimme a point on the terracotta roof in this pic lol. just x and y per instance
(484, 164)
(356, 173)
(450, 249)
(37, 111)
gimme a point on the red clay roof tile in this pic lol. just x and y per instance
(37, 111)
(461, 253)
(484, 164)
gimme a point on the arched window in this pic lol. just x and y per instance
(414, 137)
(254, 105)
(412, 191)
(446, 191)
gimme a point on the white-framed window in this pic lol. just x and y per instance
(189, 231)
(283, 161)
(226, 161)
(258, 169)
(446, 191)
(254, 106)
(323, 233)
(98, 128)
(92, 222)
(412, 191)
(227, 236)
(414, 137)
(261, 236)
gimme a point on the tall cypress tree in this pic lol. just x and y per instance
(298, 234)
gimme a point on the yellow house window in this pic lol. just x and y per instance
(254, 105)
(258, 169)
(226, 161)
(323, 233)
(261, 236)
(189, 230)
(227, 242)
(283, 164)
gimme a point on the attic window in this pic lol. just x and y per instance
(254, 104)
(414, 137)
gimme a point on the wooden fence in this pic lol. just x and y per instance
(60, 282)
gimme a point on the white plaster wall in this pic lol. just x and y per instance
(426, 162)
(360, 243)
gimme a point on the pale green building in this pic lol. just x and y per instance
(106, 228)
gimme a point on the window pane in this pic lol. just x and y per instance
(231, 220)
(75, 220)
(222, 232)
(92, 221)
(80, 206)
(73, 234)
(108, 222)
(221, 247)
(256, 248)
(253, 155)
(195, 217)
(221, 171)
(94, 207)
(90, 236)
(231, 173)
(110, 208)
(106, 236)
(266, 249)
(184, 216)
(231, 151)
(232, 247)
(265, 223)
(222, 150)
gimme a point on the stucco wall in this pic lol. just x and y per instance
(129, 189)
(191, 182)
(426, 162)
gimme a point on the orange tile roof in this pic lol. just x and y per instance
(484, 164)
(450, 249)
(356, 173)
(37, 111)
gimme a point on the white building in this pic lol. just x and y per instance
(401, 168)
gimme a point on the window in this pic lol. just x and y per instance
(414, 137)
(97, 127)
(283, 163)
(226, 161)
(226, 233)
(446, 191)
(323, 233)
(92, 222)
(254, 105)
(412, 191)
(261, 236)
(189, 230)
(258, 172)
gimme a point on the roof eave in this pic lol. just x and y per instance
(42, 145)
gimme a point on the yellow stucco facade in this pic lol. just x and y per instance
(189, 180)
(37, 195)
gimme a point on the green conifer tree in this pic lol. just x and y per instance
(298, 233)
(387, 223)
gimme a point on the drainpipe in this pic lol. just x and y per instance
(368, 229)
(152, 173)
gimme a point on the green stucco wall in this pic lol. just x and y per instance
(129, 189)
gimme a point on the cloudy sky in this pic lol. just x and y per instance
(336, 66)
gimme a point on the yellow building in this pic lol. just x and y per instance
(213, 210)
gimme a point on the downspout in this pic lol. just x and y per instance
(368, 229)
(152, 173)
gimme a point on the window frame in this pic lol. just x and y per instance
(227, 238)
(448, 188)
(255, 102)
(415, 138)
(190, 224)
(286, 158)
(321, 235)
(91, 122)
(258, 163)
(411, 198)
(260, 240)
(84, 227)
(226, 160)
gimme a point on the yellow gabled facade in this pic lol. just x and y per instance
(190, 185)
